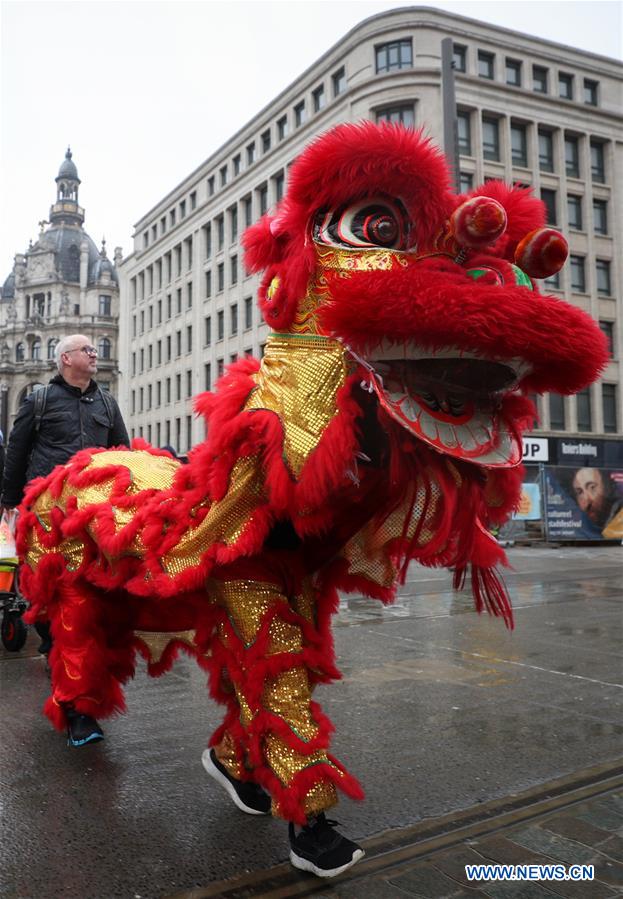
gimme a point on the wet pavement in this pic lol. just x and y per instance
(441, 713)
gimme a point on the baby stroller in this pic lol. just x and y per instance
(13, 631)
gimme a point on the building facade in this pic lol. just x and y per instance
(528, 111)
(61, 285)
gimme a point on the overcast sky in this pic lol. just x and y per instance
(145, 91)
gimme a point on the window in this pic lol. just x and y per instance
(172, 217)
(178, 297)
(299, 114)
(262, 193)
(104, 347)
(265, 138)
(251, 153)
(233, 223)
(141, 400)
(220, 277)
(491, 139)
(248, 211)
(236, 164)
(282, 127)
(178, 260)
(183, 209)
(604, 285)
(193, 200)
(590, 92)
(141, 364)
(178, 386)
(208, 283)
(220, 367)
(549, 198)
(223, 175)
(220, 325)
(207, 330)
(578, 278)
(168, 348)
(163, 224)
(207, 376)
(539, 79)
(178, 343)
(248, 313)
(607, 329)
(553, 281)
(600, 216)
(338, 80)
(189, 338)
(188, 244)
(464, 133)
(189, 383)
(609, 405)
(403, 114)
(519, 145)
(565, 86)
(51, 347)
(233, 270)
(19, 352)
(142, 320)
(394, 55)
(319, 99)
(158, 352)
(572, 157)
(485, 64)
(168, 390)
(557, 420)
(211, 186)
(583, 405)
(574, 212)
(233, 319)
(466, 182)
(207, 240)
(459, 57)
(145, 240)
(513, 72)
(546, 151)
(105, 304)
(279, 182)
(220, 232)
(598, 166)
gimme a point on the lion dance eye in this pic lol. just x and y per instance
(369, 223)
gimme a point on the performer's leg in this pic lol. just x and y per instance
(82, 683)
(274, 734)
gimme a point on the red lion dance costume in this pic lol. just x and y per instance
(382, 426)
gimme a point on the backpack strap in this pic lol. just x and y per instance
(107, 400)
(41, 397)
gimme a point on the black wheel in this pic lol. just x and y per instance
(14, 631)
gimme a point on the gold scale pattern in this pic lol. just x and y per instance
(286, 695)
(299, 380)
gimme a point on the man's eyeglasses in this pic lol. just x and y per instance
(89, 350)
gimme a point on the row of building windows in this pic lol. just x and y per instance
(584, 411)
(167, 433)
(519, 146)
(514, 75)
(244, 160)
(173, 345)
(104, 349)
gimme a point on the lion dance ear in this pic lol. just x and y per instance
(264, 244)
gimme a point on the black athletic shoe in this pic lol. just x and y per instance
(249, 797)
(82, 729)
(321, 849)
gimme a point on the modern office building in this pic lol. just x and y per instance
(63, 284)
(528, 110)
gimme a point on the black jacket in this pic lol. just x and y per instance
(72, 420)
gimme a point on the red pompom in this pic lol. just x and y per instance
(478, 222)
(542, 252)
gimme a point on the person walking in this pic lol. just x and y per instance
(53, 423)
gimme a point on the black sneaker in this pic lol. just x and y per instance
(82, 729)
(321, 849)
(249, 797)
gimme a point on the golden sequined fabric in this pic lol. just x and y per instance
(299, 381)
(157, 641)
(356, 260)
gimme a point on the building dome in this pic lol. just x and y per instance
(102, 266)
(8, 288)
(65, 242)
(68, 168)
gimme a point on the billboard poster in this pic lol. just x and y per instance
(583, 503)
(529, 504)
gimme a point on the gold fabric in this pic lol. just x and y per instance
(357, 260)
(225, 521)
(299, 381)
(246, 604)
(157, 641)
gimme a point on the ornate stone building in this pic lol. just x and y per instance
(61, 285)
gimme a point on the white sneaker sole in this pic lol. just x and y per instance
(220, 778)
(304, 864)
